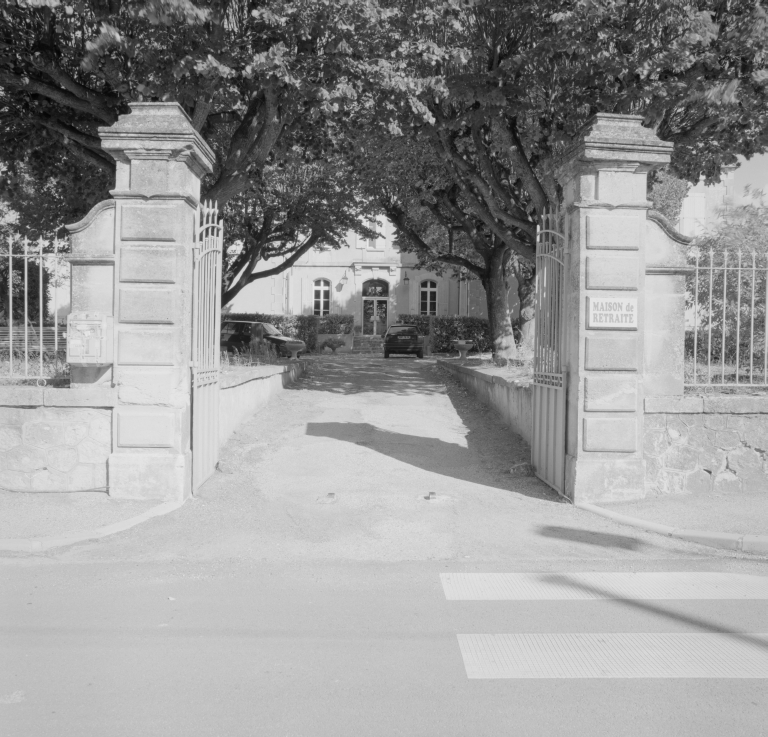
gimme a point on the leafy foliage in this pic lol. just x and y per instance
(727, 302)
(266, 82)
(667, 192)
(498, 90)
(336, 325)
(446, 329)
(298, 206)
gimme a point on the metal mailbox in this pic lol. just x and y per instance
(89, 339)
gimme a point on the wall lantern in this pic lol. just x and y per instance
(407, 279)
(344, 279)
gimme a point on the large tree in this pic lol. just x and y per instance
(497, 90)
(266, 82)
(296, 207)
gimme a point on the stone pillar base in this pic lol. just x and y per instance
(604, 480)
(162, 476)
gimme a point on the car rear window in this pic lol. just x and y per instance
(403, 330)
(270, 329)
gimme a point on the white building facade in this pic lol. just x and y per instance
(704, 204)
(370, 279)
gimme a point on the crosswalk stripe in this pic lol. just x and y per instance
(612, 655)
(610, 585)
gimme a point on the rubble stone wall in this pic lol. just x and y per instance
(55, 439)
(54, 448)
(698, 444)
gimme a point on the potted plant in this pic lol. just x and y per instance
(463, 347)
(333, 344)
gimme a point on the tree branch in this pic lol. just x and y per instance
(84, 139)
(100, 102)
(510, 140)
(481, 209)
(311, 241)
(62, 97)
(398, 219)
(203, 107)
(251, 144)
(85, 154)
(487, 168)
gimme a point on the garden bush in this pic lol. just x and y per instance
(446, 329)
(333, 344)
(336, 325)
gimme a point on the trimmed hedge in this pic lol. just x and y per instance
(336, 324)
(303, 327)
(446, 329)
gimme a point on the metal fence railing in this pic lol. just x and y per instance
(726, 311)
(32, 342)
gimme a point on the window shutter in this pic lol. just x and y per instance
(306, 297)
(442, 296)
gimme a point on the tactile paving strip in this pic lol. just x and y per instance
(631, 655)
(612, 585)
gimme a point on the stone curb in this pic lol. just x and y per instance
(40, 544)
(755, 544)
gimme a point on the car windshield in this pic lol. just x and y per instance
(270, 329)
(403, 330)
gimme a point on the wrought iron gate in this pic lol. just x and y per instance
(206, 328)
(548, 442)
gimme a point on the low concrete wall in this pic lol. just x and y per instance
(247, 390)
(55, 439)
(695, 444)
(513, 400)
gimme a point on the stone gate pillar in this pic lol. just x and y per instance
(132, 260)
(604, 183)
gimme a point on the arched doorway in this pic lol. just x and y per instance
(375, 303)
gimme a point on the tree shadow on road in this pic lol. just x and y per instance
(434, 455)
(656, 608)
(589, 537)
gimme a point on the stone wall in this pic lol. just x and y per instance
(698, 444)
(247, 390)
(512, 399)
(53, 445)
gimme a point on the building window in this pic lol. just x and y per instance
(375, 288)
(322, 297)
(376, 244)
(428, 298)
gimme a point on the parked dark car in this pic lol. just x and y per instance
(237, 335)
(403, 339)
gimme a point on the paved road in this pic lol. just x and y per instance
(263, 608)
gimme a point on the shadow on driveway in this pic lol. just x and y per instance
(355, 375)
(433, 455)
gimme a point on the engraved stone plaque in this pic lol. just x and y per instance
(612, 313)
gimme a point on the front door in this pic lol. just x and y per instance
(374, 316)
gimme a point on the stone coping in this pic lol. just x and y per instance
(236, 377)
(729, 404)
(485, 374)
(43, 396)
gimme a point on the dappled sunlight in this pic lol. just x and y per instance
(353, 375)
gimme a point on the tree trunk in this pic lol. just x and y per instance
(526, 293)
(496, 295)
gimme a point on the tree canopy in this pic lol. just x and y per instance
(498, 90)
(266, 83)
(457, 111)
